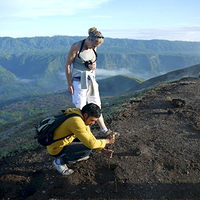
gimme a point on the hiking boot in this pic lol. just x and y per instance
(110, 132)
(63, 169)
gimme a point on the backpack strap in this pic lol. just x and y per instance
(65, 117)
(82, 48)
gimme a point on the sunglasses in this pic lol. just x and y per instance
(100, 37)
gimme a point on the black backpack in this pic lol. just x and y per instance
(46, 127)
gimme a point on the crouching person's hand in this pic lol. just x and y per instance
(107, 152)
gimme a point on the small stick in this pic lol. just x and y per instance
(116, 185)
(109, 158)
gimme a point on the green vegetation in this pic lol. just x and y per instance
(19, 135)
(6, 77)
(16, 109)
(62, 44)
(32, 105)
(37, 73)
(117, 84)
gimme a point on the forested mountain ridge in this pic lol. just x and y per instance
(116, 84)
(10, 45)
(6, 76)
(32, 65)
(193, 71)
(44, 57)
(45, 69)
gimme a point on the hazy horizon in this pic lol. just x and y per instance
(146, 20)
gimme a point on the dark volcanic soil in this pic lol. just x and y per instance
(156, 157)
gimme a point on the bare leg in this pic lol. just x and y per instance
(101, 123)
(104, 129)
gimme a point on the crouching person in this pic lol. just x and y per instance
(67, 151)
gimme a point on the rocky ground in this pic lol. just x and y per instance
(156, 157)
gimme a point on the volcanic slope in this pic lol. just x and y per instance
(157, 155)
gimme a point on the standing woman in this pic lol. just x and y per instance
(81, 79)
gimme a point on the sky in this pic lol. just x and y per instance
(132, 19)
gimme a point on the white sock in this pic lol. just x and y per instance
(104, 130)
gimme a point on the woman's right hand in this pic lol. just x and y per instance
(92, 66)
(70, 89)
(110, 139)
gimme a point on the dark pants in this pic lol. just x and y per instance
(73, 152)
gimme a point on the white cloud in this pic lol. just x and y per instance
(184, 33)
(25, 80)
(38, 8)
(104, 73)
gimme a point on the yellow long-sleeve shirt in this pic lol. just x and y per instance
(76, 126)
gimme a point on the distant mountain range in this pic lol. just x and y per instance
(118, 85)
(36, 65)
(62, 44)
(193, 71)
